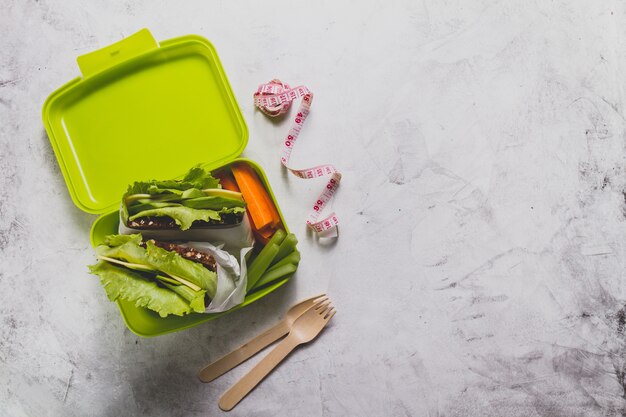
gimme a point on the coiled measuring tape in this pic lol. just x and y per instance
(274, 99)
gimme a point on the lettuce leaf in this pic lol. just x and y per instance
(127, 248)
(149, 198)
(127, 284)
(194, 298)
(212, 202)
(138, 187)
(123, 284)
(201, 179)
(128, 251)
(138, 208)
(216, 203)
(192, 193)
(175, 265)
(118, 240)
(159, 198)
(156, 191)
(195, 178)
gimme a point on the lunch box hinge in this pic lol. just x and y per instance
(114, 54)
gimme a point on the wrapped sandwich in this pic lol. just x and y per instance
(194, 208)
(168, 277)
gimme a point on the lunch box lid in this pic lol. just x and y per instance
(142, 110)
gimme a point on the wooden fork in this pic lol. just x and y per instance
(304, 329)
(247, 350)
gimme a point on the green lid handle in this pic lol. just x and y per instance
(115, 54)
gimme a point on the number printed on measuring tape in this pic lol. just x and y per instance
(274, 99)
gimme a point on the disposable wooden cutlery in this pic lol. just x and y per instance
(304, 329)
(247, 350)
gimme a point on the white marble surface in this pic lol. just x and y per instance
(480, 267)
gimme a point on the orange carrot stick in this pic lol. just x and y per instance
(264, 214)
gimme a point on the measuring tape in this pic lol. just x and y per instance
(274, 99)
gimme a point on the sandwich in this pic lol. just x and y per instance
(166, 277)
(195, 202)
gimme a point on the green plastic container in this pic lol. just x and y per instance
(145, 110)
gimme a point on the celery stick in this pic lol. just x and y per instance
(277, 238)
(261, 263)
(275, 274)
(292, 258)
(286, 247)
(194, 298)
(169, 280)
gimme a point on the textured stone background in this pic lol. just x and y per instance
(480, 268)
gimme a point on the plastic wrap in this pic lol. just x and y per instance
(231, 276)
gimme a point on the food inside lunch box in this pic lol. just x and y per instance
(195, 201)
(164, 277)
(184, 244)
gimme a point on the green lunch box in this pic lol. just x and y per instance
(145, 110)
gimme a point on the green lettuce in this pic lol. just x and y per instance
(118, 240)
(201, 179)
(156, 286)
(175, 265)
(129, 251)
(192, 193)
(123, 284)
(195, 178)
(162, 198)
(194, 298)
(212, 202)
(184, 201)
(173, 193)
(150, 205)
(127, 248)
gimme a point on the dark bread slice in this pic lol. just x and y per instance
(167, 223)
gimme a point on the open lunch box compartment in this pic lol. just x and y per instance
(144, 110)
